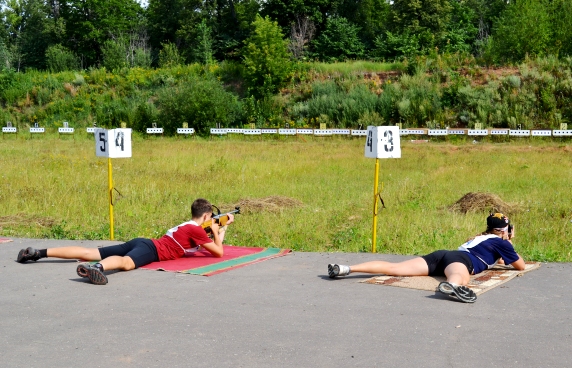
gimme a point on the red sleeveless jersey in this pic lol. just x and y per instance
(187, 235)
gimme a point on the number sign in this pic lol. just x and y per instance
(114, 143)
(382, 142)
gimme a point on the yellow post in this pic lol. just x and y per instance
(110, 186)
(375, 194)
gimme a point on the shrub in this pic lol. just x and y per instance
(59, 58)
(145, 115)
(142, 58)
(114, 55)
(201, 103)
(342, 108)
(169, 56)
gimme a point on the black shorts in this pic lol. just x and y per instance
(142, 251)
(439, 260)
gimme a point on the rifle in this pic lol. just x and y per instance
(220, 218)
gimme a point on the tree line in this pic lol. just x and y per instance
(59, 35)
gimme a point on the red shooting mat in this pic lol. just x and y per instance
(203, 263)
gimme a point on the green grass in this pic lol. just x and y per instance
(349, 67)
(57, 188)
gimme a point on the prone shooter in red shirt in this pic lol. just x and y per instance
(178, 242)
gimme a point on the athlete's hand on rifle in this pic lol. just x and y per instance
(511, 233)
(219, 222)
(230, 219)
(213, 228)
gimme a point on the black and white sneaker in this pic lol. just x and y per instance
(335, 270)
(462, 293)
(28, 254)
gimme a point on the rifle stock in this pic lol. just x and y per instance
(221, 219)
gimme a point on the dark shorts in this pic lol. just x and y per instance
(142, 251)
(439, 260)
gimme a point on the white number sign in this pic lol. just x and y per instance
(114, 143)
(382, 142)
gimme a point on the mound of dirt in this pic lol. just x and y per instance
(482, 202)
(267, 204)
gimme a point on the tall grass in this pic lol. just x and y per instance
(58, 189)
(350, 67)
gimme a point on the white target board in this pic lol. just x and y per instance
(383, 142)
(113, 143)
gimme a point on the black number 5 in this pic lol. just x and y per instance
(103, 141)
(389, 146)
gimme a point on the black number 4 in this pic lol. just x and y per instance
(369, 142)
(120, 141)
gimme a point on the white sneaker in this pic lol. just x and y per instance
(335, 270)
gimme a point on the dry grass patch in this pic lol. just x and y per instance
(481, 202)
(268, 204)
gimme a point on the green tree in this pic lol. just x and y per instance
(266, 58)
(523, 29)
(5, 57)
(232, 24)
(461, 30)
(25, 25)
(426, 19)
(164, 17)
(372, 16)
(287, 11)
(59, 58)
(203, 51)
(339, 41)
(114, 54)
(561, 20)
(169, 56)
(89, 23)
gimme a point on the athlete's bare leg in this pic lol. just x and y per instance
(457, 273)
(86, 254)
(413, 267)
(118, 263)
(92, 254)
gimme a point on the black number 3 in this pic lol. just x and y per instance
(389, 135)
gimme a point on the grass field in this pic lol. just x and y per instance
(58, 189)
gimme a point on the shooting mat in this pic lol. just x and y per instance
(480, 283)
(203, 263)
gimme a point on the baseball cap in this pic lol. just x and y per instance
(497, 221)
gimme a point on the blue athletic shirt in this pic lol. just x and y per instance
(485, 250)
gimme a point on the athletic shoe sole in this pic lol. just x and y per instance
(24, 255)
(20, 258)
(83, 270)
(333, 270)
(96, 276)
(462, 293)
